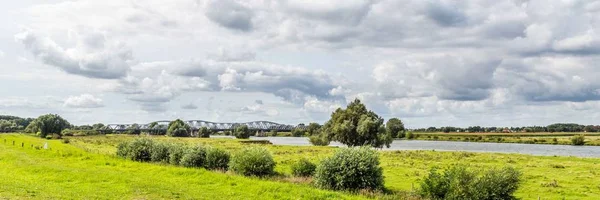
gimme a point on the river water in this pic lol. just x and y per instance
(532, 149)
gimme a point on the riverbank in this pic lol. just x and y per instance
(548, 177)
(591, 139)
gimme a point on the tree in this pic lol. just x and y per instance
(134, 129)
(204, 132)
(242, 132)
(98, 126)
(178, 128)
(313, 128)
(297, 132)
(395, 128)
(357, 126)
(7, 125)
(50, 124)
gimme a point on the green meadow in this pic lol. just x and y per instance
(87, 168)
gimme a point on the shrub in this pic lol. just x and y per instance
(410, 135)
(458, 182)
(554, 141)
(254, 161)
(175, 154)
(303, 168)
(194, 157)
(159, 153)
(56, 136)
(216, 158)
(66, 141)
(578, 140)
(204, 132)
(297, 132)
(273, 133)
(137, 150)
(242, 132)
(48, 137)
(350, 169)
(319, 140)
(228, 133)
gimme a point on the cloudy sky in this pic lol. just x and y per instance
(428, 62)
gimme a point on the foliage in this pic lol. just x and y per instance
(303, 168)
(273, 133)
(71, 132)
(134, 129)
(458, 182)
(313, 128)
(242, 132)
(49, 124)
(319, 140)
(194, 157)
(297, 132)
(8, 125)
(253, 161)
(160, 152)
(578, 140)
(350, 169)
(357, 126)
(204, 132)
(216, 159)
(395, 128)
(175, 154)
(410, 135)
(178, 128)
(137, 150)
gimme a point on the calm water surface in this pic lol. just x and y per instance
(533, 149)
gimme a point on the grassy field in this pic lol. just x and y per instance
(87, 168)
(592, 139)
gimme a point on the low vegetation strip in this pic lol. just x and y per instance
(546, 177)
(67, 172)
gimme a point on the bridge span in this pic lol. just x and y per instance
(197, 124)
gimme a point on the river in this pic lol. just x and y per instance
(532, 149)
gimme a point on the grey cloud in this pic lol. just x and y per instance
(445, 15)
(350, 12)
(230, 14)
(190, 106)
(551, 78)
(259, 102)
(93, 57)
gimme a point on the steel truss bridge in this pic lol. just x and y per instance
(197, 124)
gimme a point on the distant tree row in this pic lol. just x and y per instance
(559, 127)
(12, 123)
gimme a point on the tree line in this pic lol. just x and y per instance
(558, 127)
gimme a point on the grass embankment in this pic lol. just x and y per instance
(68, 172)
(545, 177)
(563, 138)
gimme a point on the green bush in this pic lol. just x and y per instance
(204, 132)
(273, 133)
(216, 159)
(228, 133)
(159, 153)
(254, 161)
(303, 168)
(175, 154)
(578, 140)
(410, 135)
(194, 157)
(319, 140)
(458, 182)
(350, 169)
(48, 137)
(297, 132)
(137, 150)
(242, 132)
(66, 141)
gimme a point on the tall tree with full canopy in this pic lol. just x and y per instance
(357, 126)
(178, 128)
(50, 124)
(395, 128)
